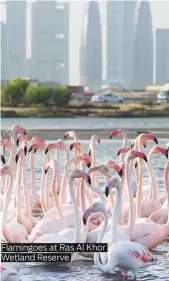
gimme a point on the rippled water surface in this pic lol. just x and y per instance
(85, 270)
(86, 123)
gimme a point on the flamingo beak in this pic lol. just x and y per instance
(87, 213)
(24, 132)
(166, 154)
(35, 151)
(65, 137)
(98, 141)
(25, 150)
(3, 159)
(120, 173)
(110, 137)
(136, 164)
(46, 151)
(45, 170)
(71, 147)
(30, 149)
(155, 140)
(88, 165)
(16, 158)
(17, 142)
(107, 191)
(89, 152)
(89, 180)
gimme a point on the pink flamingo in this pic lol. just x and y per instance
(125, 255)
(12, 232)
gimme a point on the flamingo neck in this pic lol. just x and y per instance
(7, 197)
(115, 215)
(64, 183)
(131, 222)
(153, 194)
(42, 191)
(46, 178)
(102, 267)
(139, 190)
(26, 192)
(121, 159)
(76, 211)
(18, 190)
(55, 185)
(166, 180)
(33, 181)
(94, 176)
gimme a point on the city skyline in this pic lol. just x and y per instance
(157, 8)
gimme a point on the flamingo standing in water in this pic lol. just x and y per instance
(125, 255)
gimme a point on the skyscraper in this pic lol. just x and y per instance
(162, 56)
(16, 38)
(120, 16)
(3, 52)
(91, 47)
(50, 41)
(142, 73)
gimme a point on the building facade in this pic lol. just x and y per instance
(91, 47)
(50, 41)
(3, 52)
(162, 56)
(15, 38)
(143, 44)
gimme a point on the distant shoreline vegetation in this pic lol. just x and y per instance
(23, 98)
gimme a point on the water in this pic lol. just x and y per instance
(85, 269)
(79, 123)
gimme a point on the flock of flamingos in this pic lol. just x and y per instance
(130, 217)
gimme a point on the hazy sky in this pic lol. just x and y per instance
(160, 18)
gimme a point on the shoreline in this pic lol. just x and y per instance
(85, 134)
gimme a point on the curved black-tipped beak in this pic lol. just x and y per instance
(45, 170)
(155, 140)
(118, 153)
(145, 158)
(46, 151)
(35, 151)
(166, 153)
(136, 164)
(65, 137)
(25, 150)
(89, 180)
(120, 173)
(16, 158)
(131, 145)
(30, 149)
(89, 153)
(71, 147)
(84, 220)
(110, 136)
(24, 132)
(98, 141)
(144, 145)
(17, 142)
(107, 191)
(3, 159)
(88, 165)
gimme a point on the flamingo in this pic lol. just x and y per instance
(161, 215)
(13, 232)
(125, 255)
(9, 271)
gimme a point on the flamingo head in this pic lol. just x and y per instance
(132, 154)
(77, 173)
(123, 150)
(158, 149)
(21, 153)
(85, 157)
(36, 140)
(95, 138)
(114, 182)
(60, 145)
(38, 146)
(96, 207)
(5, 170)
(7, 143)
(77, 146)
(22, 137)
(3, 159)
(133, 142)
(70, 134)
(102, 168)
(52, 164)
(119, 133)
(145, 137)
(112, 165)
